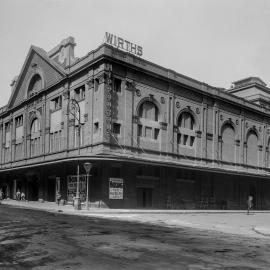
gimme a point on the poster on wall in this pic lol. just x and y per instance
(72, 187)
(116, 188)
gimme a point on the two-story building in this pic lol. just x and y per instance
(156, 138)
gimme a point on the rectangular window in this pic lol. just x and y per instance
(179, 138)
(116, 128)
(56, 141)
(148, 132)
(192, 139)
(117, 85)
(96, 126)
(19, 121)
(7, 135)
(96, 84)
(185, 139)
(156, 133)
(139, 130)
(79, 93)
(76, 136)
(56, 103)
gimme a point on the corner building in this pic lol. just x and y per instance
(156, 138)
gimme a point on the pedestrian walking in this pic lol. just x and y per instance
(58, 198)
(18, 195)
(22, 196)
(249, 204)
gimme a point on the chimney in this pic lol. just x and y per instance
(63, 53)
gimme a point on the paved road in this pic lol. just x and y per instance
(37, 240)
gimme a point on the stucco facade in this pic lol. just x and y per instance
(175, 142)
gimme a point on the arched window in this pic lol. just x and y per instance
(35, 144)
(148, 110)
(252, 148)
(228, 143)
(35, 127)
(35, 85)
(186, 132)
(186, 120)
(148, 125)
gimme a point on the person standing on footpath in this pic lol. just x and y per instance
(58, 198)
(249, 203)
(18, 195)
(22, 196)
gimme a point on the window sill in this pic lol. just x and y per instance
(148, 139)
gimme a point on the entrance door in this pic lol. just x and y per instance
(51, 190)
(144, 197)
(33, 189)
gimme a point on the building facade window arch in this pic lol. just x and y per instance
(189, 111)
(228, 137)
(186, 126)
(150, 100)
(229, 123)
(254, 130)
(148, 120)
(252, 147)
(35, 83)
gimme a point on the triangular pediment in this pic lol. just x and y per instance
(36, 62)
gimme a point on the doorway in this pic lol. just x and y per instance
(33, 189)
(51, 190)
(144, 197)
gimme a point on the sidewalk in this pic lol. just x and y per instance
(257, 224)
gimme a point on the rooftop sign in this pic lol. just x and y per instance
(123, 44)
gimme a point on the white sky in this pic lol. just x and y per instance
(214, 41)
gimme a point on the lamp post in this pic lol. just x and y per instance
(75, 110)
(87, 166)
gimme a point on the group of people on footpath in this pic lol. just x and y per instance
(20, 196)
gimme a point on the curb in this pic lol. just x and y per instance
(262, 231)
(127, 211)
